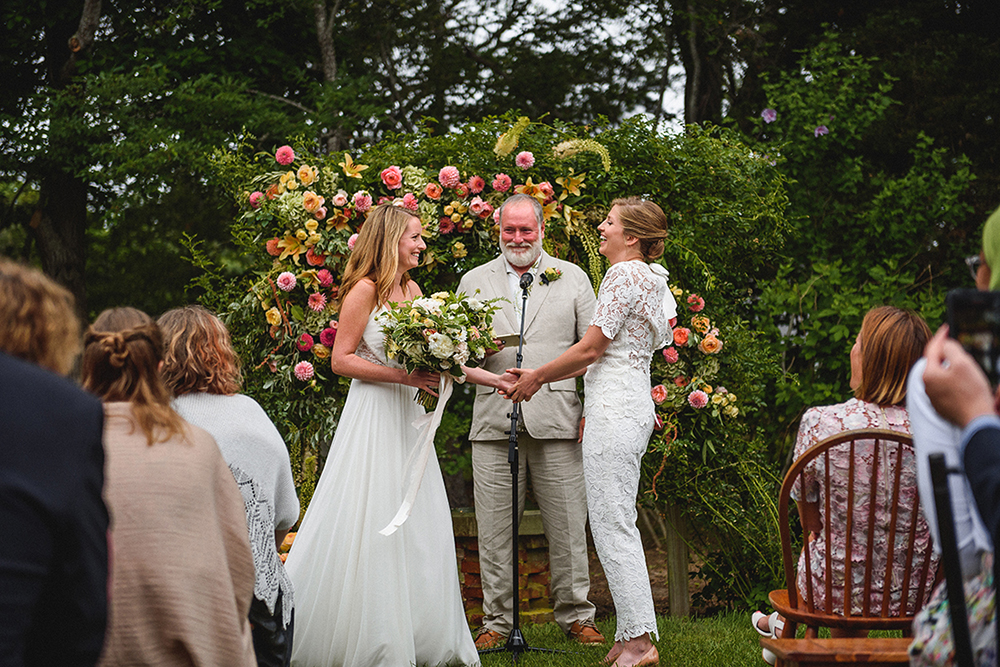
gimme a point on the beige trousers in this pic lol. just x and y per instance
(556, 468)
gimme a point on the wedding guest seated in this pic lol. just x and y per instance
(54, 555)
(202, 370)
(890, 341)
(182, 574)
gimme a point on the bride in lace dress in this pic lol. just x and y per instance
(364, 598)
(634, 306)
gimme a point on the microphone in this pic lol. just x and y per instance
(526, 279)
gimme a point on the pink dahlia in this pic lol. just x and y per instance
(476, 184)
(286, 281)
(255, 198)
(272, 247)
(696, 304)
(392, 177)
(698, 399)
(670, 354)
(410, 201)
(501, 183)
(284, 155)
(317, 302)
(304, 343)
(659, 394)
(324, 277)
(525, 160)
(327, 336)
(449, 176)
(304, 371)
(351, 241)
(362, 201)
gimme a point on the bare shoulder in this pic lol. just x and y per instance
(413, 290)
(361, 297)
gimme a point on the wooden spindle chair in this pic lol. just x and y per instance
(906, 532)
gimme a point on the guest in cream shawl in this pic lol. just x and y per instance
(182, 572)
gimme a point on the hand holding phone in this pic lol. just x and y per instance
(974, 321)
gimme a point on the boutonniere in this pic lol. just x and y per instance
(550, 275)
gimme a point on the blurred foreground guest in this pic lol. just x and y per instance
(54, 555)
(182, 575)
(202, 370)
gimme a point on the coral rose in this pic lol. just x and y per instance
(670, 354)
(681, 381)
(433, 191)
(315, 258)
(710, 345)
(351, 241)
(681, 335)
(272, 247)
(696, 304)
(410, 202)
(392, 177)
(659, 394)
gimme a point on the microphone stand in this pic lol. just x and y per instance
(516, 643)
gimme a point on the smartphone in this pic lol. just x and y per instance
(974, 321)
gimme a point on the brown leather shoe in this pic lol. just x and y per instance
(487, 638)
(585, 632)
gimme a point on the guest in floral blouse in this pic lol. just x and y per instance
(891, 340)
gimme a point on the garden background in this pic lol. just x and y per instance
(831, 156)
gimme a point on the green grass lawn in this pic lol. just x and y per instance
(721, 641)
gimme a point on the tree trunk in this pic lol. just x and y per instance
(703, 86)
(59, 225)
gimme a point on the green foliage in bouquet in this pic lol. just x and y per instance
(300, 207)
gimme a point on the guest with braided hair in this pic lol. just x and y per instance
(182, 573)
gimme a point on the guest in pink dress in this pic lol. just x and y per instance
(891, 340)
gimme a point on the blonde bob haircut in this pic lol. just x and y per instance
(198, 355)
(376, 253)
(37, 318)
(645, 221)
(891, 341)
(122, 351)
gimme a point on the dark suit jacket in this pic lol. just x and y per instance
(982, 467)
(53, 521)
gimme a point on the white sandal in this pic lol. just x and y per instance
(772, 623)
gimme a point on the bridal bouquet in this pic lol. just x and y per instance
(441, 333)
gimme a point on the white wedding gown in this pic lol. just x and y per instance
(365, 599)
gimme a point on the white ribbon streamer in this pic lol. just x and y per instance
(416, 463)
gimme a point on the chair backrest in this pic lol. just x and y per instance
(865, 481)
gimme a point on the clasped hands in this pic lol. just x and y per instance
(519, 384)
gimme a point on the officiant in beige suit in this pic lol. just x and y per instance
(560, 304)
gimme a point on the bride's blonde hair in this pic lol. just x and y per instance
(376, 253)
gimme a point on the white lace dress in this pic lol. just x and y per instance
(363, 599)
(620, 415)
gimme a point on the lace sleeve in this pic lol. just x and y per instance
(614, 300)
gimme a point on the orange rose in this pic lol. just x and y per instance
(432, 191)
(700, 323)
(659, 394)
(710, 345)
(681, 335)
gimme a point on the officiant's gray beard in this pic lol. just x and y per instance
(522, 256)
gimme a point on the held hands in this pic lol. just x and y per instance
(526, 386)
(505, 383)
(425, 380)
(957, 387)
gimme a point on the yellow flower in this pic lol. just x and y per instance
(458, 250)
(549, 210)
(415, 315)
(312, 226)
(312, 201)
(352, 169)
(313, 239)
(731, 410)
(321, 351)
(710, 345)
(718, 398)
(571, 184)
(288, 180)
(468, 224)
(301, 235)
(531, 190)
(290, 247)
(273, 317)
(449, 209)
(677, 291)
(307, 174)
(701, 324)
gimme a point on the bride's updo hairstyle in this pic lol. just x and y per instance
(645, 221)
(376, 252)
(121, 354)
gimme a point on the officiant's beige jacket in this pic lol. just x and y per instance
(557, 316)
